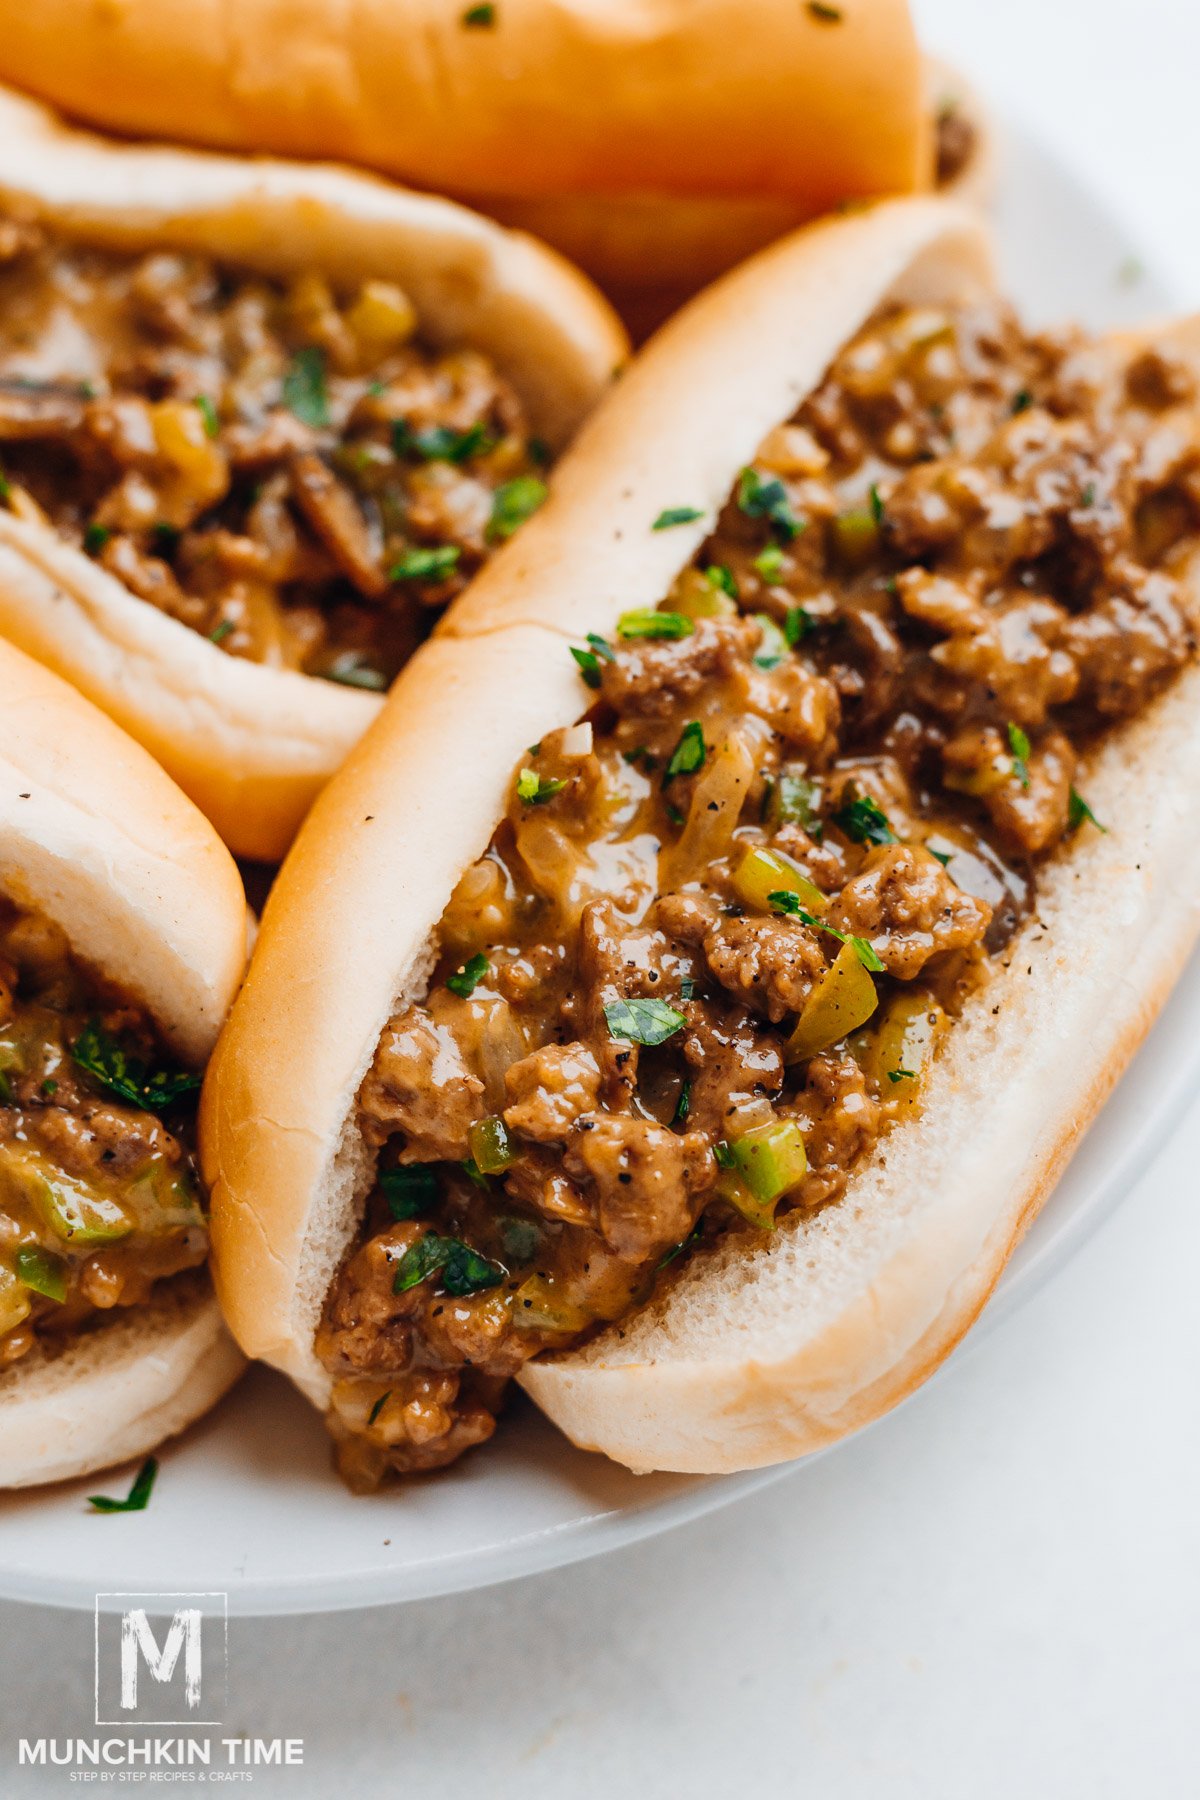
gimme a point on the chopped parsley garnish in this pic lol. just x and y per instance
(5, 488)
(645, 622)
(468, 978)
(441, 443)
(95, 538)
(304, 390)
(828, 15)
(760, 499)
(461, 1269)
(1088, 496)
(378, 1407)
(646, 758)
(786, 902)
(350, 670)
(688, 754)
(535, 789)
(1022, 401)
(674, 814)
(433, 563)
(1020, 746)
(137, 1499)
(902, 1075)
(165, 538)
(677, 515)
(774, 647)
(647, 1022)
(1079, 812)
(687, 988)
(718, 576)
(221, 631)
(513, 503)
(724, 1155)
(49, 1088)
(877, 507)
(410, 1189)
(864, 822)
(797, 624)
(480, 18)
(208, 412)
(684, 1103)
(589, 660)
(769, 563)
(101, 1055)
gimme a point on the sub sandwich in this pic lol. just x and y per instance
(690, 989)
(654, 145)
(122, 940)
(258, 422)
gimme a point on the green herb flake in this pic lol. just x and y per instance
(5, 488)
(647, 1022)
(1022, 401)
(769, 563)
(441, 443)
(165, 537)
(684, 1104)
(864, 949)
(95, 538)
(410, 1189)
(106, 1060)
(760, 499)
(688, 754)
(864, 822)
(433, 563)
(677, 515)
(782, 900)
(720, 577)
(1019, 744)
(208, 412)
(877, 506)
(774, 647)
(479, 18)
(512, 504)
(589, 660)
(798, 622)
(378, 1407)
(724, 1155)
(461, 1270)
(674, 814)
(535, 790)
(467, 979)
(221, 631)
(641, 757)
(901, 1075)
(138, 1497)
(304, 390)
(645, 622)
(1079, 813)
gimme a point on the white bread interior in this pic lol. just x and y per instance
(252, 745)
(95, 836)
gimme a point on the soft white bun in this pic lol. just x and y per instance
(252, 745)
(347, 930)
(701, 97)
(96, 837)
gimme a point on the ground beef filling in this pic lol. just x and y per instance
(712, 950)
(286, 470)
(98, 1193)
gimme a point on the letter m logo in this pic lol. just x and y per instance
(161, 1659)
(139, 1644)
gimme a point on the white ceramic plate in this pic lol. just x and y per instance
(247, 1504)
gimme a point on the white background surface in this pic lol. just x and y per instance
(995, 1593)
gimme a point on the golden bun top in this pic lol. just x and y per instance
(793, 99)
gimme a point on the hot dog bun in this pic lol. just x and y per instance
(655, 146)
(702, 97)
(94, 836)
(250, 744)
(773, 1347)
